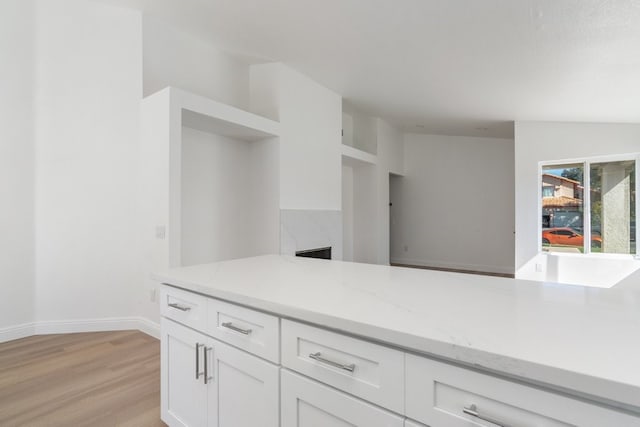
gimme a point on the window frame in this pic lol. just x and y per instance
(586, 215)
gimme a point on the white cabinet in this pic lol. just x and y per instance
(184, 394)
(184, 307)
(329, 379)
(208, 383)
(243, 390)
(307, 403)
(370, 371)
(440, 394)
(252, 331)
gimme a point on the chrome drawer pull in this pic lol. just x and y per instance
(473, 411)
(318, 356)
(231, 326)
(198, 373)
(179, 306)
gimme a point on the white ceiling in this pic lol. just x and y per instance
(461, 67)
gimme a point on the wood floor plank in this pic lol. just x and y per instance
(85, 379)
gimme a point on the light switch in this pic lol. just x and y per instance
(161, 232)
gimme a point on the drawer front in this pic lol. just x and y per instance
(250, 330)
(307, 403)
(439, 394)
(370, 371)
(184, 307)
(411, 423)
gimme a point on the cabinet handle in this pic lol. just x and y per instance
(318, 356)
(231, 326)
(198, 373)
(473, 411)
(179, 306)
(207, 378)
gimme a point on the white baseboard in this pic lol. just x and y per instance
(149, 327)
(16, 332)
(455, 266)
(80, 325)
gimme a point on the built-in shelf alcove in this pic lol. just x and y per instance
(222, 167)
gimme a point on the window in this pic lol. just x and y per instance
(547, 191)
(589, 206)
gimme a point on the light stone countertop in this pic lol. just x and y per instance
(578, 339)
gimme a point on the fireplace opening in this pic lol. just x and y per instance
(322, 253)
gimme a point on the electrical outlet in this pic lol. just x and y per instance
(406, 248)
(538, 268)
(153, 295)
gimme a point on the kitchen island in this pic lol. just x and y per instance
(568, 342)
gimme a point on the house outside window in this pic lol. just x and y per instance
(589, 206)
(547, 190)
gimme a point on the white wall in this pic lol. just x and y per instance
(365, 187)
(347, 212)
(85, 234)
(390, 160)
(264, 193)
(360, 129)
(17, 251)
(89, 81)
(366, 224)
(454, 207)
(215, 203)
(390, 147)
(359, 211)
(224, 214)
(546, 141)
(311, 122)
(174, 58)
(154, 185)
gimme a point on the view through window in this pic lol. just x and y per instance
(600, 193)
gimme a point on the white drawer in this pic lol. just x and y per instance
(250, 330)
(184, 307)
(367, 370)
(307, 403)
(411, 423)
(438, 393)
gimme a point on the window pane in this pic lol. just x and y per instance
(613, 207)
(562, 208)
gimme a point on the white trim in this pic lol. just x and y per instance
(80, 325)
(455, 266)
(592, 255)
(594, 159)
(16, 332)
(539, 204)
(148, 327)
(637, 203)
(586, 208)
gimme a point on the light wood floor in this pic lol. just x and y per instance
(88, 379)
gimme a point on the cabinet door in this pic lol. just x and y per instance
(243, 389)
(307, 403)
(184, 394)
